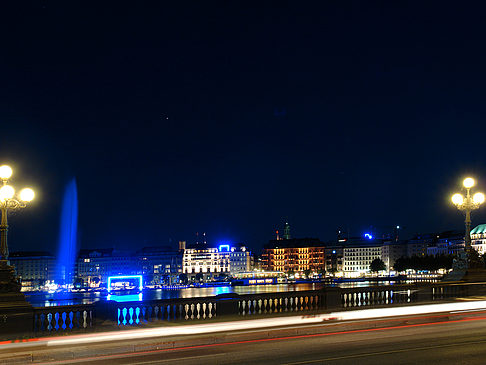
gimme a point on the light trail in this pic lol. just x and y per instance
(216, 345)
(253, 324)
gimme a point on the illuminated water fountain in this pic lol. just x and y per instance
(68, 235)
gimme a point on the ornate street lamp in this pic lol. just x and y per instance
(467, 204)
(8, 202)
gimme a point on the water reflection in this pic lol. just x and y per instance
(125, 298)
(56, 299)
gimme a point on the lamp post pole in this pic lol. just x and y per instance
(16, 313)
(9, 202)
(3, 234)
(467, 221)
(468, 204)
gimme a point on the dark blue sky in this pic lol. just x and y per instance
(232, 117)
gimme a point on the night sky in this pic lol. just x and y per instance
(233, 117)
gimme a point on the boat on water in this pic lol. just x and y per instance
(127, 290)
(259, 278)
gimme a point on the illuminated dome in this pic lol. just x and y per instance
(481, 229)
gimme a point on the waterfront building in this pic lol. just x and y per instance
(294, 255)
(34, 269)
(240, 260)
(206, 260)
(214, 261)
(93, 267)
(256, 263)
(417, 246)
(478, 238)
(159, 264)
(441, 243)
(358, 253)
(334, 259)
(391, 251)
(446, 243)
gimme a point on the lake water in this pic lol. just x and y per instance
(41, 299)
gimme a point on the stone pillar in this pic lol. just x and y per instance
(16, 314)
(227, 304)
(333, 298)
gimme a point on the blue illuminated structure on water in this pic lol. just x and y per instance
(68, 232)
(125, 297)
(111, 279)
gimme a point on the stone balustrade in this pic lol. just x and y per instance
(63, 318)
(129, 314)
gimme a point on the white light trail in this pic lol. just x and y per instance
(253, 324)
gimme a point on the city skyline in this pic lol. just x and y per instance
(232, 119)
(340, 237)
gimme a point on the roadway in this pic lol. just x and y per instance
(455, 342)
(454, 337)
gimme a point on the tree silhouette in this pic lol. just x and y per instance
(377, 265)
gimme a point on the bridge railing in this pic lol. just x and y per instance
(139, 313)
(351, 298)
(269, 303)
(63, 318)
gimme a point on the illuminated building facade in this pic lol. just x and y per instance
(240, 260)
(93, 267)
(446, 243)
(357, 257)
(206, 260)
(294, 255)
(34, 269)
(158, 264)
(334, 259)
(478, 239)
(417, 246)
(392, 251)
(443, 243)
(213, 261)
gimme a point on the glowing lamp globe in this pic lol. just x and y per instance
(6, 192)
(5, 172)
(457, 199)
(478, 198)
(27, 195)
(468, 182)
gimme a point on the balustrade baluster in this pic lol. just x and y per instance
(56, 321)
(85, 316)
